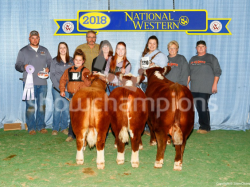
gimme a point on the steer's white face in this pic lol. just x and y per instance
(158, 75)
(129, 83)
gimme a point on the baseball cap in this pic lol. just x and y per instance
(34, 33)
(202, 42)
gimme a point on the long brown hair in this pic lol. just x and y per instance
(79, 52)
(146, 50)
(114, 58)
(58, 57)
(103, 43)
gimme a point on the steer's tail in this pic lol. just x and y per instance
(177, 135)
(123, 135)
(92, 133)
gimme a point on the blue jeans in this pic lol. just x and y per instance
(111, 88)
(71, 133)
(61, 111)
(36, 123)
(144, 86)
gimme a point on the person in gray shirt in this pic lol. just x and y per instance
(205, 72)
(179, 66)
(39, 57)
(61, 106)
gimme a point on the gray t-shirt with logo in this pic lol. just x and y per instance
(203, 69)
(179, 69)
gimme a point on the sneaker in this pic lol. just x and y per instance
(69, 139)
(65, 131)
(32, 132)
(202, 131)
(43, 131)
(54, 132)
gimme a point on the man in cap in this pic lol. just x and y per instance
(90, 49)
(205, 72)
(40, 58)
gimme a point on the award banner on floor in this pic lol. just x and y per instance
(189, 21)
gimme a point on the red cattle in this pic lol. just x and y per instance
(128, 112)
(90, 119)
(171, 113)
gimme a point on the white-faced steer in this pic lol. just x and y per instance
(128, 112)
(171, 113)
(90, 119)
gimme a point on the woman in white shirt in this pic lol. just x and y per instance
(118, 63)
(156, 56)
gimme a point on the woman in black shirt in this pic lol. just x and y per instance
(105, 52)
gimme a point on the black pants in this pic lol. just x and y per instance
(71, 133)
(201, 104)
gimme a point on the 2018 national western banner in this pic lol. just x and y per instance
(193, 21)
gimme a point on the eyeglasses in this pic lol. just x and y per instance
(172, 48)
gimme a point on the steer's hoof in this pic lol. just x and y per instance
(135, 164)
(79, 162)
(100, 165)
(140, 147)
(84, 148)
(168, 142)
(119, 162)
(158, 164)
(153, 143)
(115, 145)
(177, 166)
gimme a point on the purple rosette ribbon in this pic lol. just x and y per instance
(29, 86)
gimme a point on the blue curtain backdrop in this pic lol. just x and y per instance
(229, 108)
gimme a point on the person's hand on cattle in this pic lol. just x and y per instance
(152, 64)
(214, 88)
(110, 77)
(62, 94)
(102, 77)
(141, 71)
(123, 70)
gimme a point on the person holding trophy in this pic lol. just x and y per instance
(152, 56)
